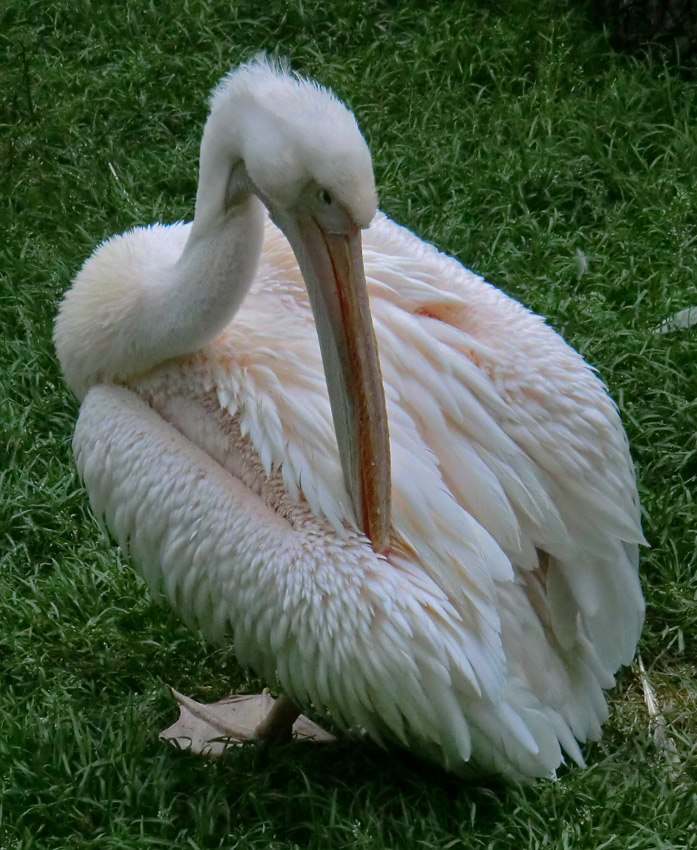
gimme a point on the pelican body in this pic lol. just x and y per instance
(432, 539)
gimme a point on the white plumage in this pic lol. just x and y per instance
(508, 597)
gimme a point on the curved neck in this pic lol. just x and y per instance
(206, 286)
(141, 299)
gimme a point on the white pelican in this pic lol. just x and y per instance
(479, 624)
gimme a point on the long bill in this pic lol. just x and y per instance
(332, 267)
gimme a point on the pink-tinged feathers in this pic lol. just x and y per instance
(511, 596)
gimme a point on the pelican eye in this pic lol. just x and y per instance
(325, 197)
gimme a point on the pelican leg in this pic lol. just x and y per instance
(278, 723)
(209, 729)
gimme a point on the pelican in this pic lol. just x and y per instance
(403, 497)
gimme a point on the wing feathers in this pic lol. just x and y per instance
(510, 595)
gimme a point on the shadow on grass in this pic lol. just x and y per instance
(301, 791)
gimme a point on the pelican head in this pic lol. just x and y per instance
(296, 147)
(297, 141)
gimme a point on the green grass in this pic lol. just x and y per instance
(510, 135)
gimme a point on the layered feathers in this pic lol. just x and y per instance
(509, 596)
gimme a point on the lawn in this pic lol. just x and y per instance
(512, 136)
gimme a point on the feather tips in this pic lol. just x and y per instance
(510, 595)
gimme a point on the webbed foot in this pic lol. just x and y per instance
(210, 728)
